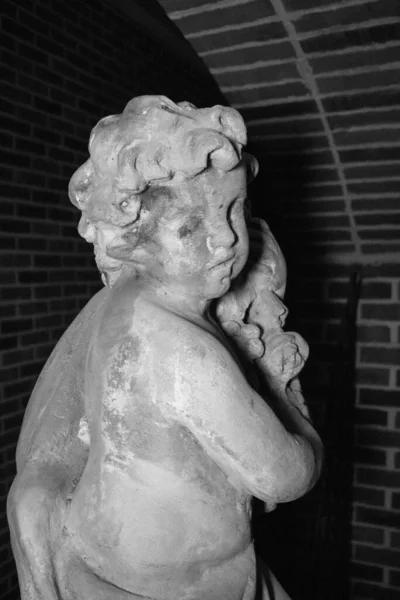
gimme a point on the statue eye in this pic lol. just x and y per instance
(124, 204)
(167, 108)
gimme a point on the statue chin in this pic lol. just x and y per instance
(110, 268)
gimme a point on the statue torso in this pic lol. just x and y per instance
(150, 510)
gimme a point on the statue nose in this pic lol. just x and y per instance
(223, 237)
(87, 230)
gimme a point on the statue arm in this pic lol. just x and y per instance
(32, 514)
(241, 432)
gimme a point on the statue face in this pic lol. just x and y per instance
(201, 246)
(191, 238)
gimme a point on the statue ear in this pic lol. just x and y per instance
(130, 207)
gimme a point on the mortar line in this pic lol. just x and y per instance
(315, 55)
(332, 75)
(329, 95)
(321, 54)
(209, 7)
(232, 27)
(306, 72)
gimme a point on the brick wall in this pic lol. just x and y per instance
(342, 540)
(65, 65)
(376, 491)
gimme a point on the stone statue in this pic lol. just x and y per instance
(147, 436)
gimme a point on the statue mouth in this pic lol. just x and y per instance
(105, 262)
(226, 262)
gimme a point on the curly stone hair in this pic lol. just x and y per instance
(154, 143)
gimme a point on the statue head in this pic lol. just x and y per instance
(155, 164)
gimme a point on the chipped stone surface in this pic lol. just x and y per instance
(173, 398)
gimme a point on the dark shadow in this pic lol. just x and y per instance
(307, 543)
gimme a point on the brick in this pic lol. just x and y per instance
(367, 155)
(16, 389)
(31, 211)
(33, 54)
(234, 15)
(336, 83)
(9, 342)
(64, 304)
(380, 397)
(371, 203)
(311, 124)
(47, 291)
(384, 312)
(347, 61)
(266, 31)
(380, 556)
(45, 230)
(371, 171)
(373, 333)
(369, 496)
(374, 186)
(295, 108)
(395, 540)
(47, 260)
(16, 30)
(17, 356)
(365, 455)
(378, 219)
(378, 477)
(47, 106)
(366, 572)
(33, 85)
(53, 48)
(277, 51)
(379, 234)
(397, 460)
(363, 590)
(388, 246)
(16, 325)
(378, 516)
(371, 290)
(31, 243)
(32, 308)
(44, 351)
(8, 310)
(369, 416)
(394, 578)
(270, 92)
(396, 501)
(49, 321)
(14, 226)
(9, 9)
(379, 437)
(367, 534)
(15, 293)
(31, 339)
(30, 178)
(344, 15)
(15, 160)
(363, 99)
(380, 355)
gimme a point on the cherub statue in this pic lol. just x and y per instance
(144, 442)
